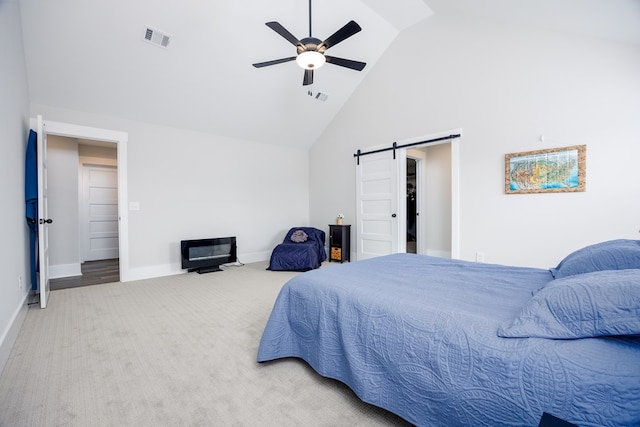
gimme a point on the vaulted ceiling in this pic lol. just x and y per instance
(91, 56)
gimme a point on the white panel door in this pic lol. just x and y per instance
(377, 205)
(43, 215)
(100, 191)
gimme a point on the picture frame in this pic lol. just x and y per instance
(553, 170)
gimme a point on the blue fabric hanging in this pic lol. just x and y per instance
(31, 203)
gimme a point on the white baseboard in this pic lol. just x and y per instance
(64, 270)
(9, 336)
(247, 258)
(439, 253)
(150, 272)
(142, 273)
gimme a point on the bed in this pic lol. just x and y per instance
(445, 342)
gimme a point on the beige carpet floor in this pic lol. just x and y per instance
(172, 351)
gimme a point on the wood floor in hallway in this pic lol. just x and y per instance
(93, 273)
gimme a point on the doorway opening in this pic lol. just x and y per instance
(381, 193)
(83, 184)
(435, 199)
(107, 138)
(412, 206)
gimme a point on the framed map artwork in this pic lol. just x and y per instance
(555, 170)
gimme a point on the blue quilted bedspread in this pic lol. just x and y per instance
(416, 335)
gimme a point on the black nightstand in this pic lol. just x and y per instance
(339, 243)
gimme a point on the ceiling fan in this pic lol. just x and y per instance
(311, 51)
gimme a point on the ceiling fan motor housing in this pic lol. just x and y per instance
(311, 44)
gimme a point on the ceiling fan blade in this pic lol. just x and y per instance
(308, 78)
(347, 63)
(275, 26)
(349, 29)
(274, 62)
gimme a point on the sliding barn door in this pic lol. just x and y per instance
(379, 216)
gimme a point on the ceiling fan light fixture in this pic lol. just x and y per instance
(310, 60)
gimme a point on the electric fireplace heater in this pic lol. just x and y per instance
(207, 255)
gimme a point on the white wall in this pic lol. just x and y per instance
(100, 155)
(194, 185)
(14, 127)
(504, 86)
(64, 240)
(437, 199)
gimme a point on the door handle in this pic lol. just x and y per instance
(393, 215)
(45, 221)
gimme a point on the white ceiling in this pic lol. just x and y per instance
(90, 56)
(615, 20)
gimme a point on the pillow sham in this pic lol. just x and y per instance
(587, 305)
(299, 236)
(617, 254)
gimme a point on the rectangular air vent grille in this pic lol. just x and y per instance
(156, 37)
(319, 96)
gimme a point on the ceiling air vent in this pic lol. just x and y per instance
(156, 37)
(319, 96)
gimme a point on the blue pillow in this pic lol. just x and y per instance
(618, 254)
(587, 305)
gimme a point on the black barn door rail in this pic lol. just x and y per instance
(395, 146)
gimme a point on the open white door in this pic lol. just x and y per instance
(43, 216)
(378, 216)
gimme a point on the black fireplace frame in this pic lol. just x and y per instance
(207, 255)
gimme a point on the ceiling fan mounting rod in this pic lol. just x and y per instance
(309, 18)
